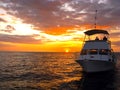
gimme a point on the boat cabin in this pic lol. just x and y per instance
(96, 46)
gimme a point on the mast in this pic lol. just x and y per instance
(95, 19)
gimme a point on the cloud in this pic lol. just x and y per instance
(19, 39)
(37, 12)
(59, 16)
(5, 45)
(67, 7)
(2, 20)
(8, 29)
(45, 14)
(116, 44)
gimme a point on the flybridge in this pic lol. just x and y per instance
(96, 31)
(96, 35)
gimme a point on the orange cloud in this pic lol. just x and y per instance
(58, 30)
(62, 30)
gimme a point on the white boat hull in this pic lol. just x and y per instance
(96, 65)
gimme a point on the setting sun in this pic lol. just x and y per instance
(67, 50)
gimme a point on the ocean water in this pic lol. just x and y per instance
(52, 71)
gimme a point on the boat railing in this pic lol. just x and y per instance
(98, 41)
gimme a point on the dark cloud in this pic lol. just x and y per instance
(37, 12)
(51, 13)
(8, 29)
(29, 39)
(2, 20)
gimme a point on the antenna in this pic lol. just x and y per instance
(95, 19)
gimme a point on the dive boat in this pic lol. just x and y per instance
(97, 54)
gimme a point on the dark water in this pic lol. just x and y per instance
(52, 71)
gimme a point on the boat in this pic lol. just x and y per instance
(96, 54)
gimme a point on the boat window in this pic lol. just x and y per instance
(93, 51)
(103, 52)
(84, 52)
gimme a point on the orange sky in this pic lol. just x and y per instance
(57, 26)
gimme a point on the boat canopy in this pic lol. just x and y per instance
(96, 31)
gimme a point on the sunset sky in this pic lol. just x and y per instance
(55, 25)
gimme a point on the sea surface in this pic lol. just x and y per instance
(52, 71)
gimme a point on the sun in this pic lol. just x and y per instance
(67, 50)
